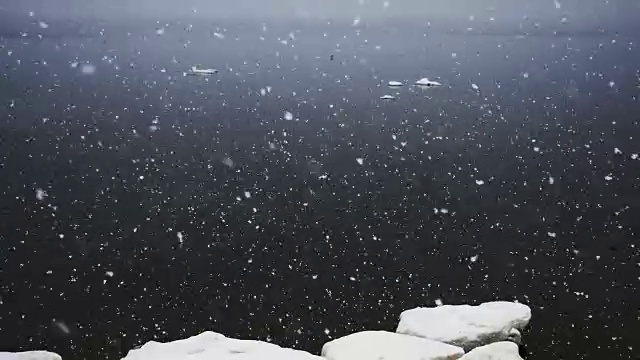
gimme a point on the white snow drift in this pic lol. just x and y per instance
(210, 345)
(375, 345)
(467, 326)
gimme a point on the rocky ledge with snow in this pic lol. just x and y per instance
(376, 345)
(29, 355)
(210, 345)
(490, 331)
(467, 326)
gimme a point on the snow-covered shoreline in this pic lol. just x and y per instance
(487, 331)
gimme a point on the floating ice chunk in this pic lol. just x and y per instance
(43, 25)
(375, 345)
(557, 4)
(479, 182)
(475, 87)
(218, 35)
(395, 83)
(360, 161)
(288, 116)
(180, 237)
(29, 355)
(474, 258)
(635, 156)
(444, 211)
(40, 194)
(551, 180)
(427, 82)
(617, 151)
(608, 177)
(464, 325)
(247, 195)
(502, 350)
(356, 21)
(160, 31)
(210, 345)
(551, 234)
(387, 97)
(88, 69)
(197, 70)
(109, 273)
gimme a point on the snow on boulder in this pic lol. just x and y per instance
(29, 355)
(375, 345)
(210, 345)
(503, 350)
(465, 325)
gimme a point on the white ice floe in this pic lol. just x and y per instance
(503, 350)
(29, 355)
(427, 82)
(387, 97)
(195, 70)
(467, 326)
(395, 83)
(210, 345)
(375, 345)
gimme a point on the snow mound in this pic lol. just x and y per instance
(504, 350)
(375, 345)
(210, 345)
(427, 82)
(467, 326)
(30, 355)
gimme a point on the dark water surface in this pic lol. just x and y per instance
(138, 204)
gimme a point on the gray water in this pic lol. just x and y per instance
(174, 205)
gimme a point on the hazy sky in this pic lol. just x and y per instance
(581, 11)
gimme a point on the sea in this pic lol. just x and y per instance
(281, 199)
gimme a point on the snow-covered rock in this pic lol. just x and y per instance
(210, 345)
(467, 326)
(503, 350)
(427, 82)
(30, 355)
(375, 345)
